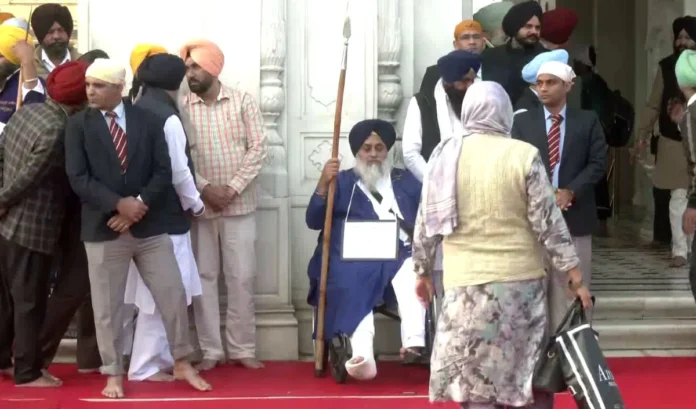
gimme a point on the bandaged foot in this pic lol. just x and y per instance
(361, 368)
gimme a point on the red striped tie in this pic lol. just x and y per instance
(119, 137)
(555, 141)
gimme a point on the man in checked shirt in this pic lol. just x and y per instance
(227, 152)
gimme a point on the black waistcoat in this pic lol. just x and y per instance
(162, 106)
(671, 90)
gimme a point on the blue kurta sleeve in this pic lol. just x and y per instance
(316, 210)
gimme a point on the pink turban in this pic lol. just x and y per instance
(204, 53)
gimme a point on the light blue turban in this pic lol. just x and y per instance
(529, 72)
(686, 69)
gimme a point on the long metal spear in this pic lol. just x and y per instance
(319, 349)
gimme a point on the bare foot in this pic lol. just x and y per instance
(249, 363)
(183, 371)
(161, 377)
(48, 375)
(42, 382)
(114, 387)
(206, 365)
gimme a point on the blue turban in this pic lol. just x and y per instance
(457, 64)
(529, 72)
(363, 129)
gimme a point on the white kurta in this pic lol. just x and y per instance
(449, 123)
(411, 311)
(151, 353)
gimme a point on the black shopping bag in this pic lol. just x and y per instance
(548, 373)
(585, 368)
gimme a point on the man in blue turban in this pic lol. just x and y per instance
(434, 115)
(530, 98)
(372, 191)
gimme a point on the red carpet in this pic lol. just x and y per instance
(646, 383)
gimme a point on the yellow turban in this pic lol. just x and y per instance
(5, 16)
(9, 36)
(467, 25)
(107, 70)
(141, 52)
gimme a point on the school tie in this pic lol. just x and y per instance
(119, 138)
(555, 141)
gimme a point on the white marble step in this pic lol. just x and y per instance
(662, 334)
(637, 305)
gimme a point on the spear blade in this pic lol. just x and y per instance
(346, 29)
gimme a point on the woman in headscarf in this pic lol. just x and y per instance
(493, 317)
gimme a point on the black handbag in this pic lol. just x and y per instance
(586, 371)
(548, 372)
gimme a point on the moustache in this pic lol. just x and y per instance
(533, 37)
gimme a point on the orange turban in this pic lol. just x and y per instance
(206, 54)
(467, 25)
(5, 16)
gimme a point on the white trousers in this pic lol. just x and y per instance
(412, 315)
(681, 243)
(151, 352)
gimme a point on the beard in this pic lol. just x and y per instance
(57, 49)
(456, 99)
(529, 41)
(200, 86)
(371, 173)
(184, 114)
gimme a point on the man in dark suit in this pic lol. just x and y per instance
(32, 206)
(118, 163)
(572, 145)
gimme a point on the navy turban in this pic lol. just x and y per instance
(519, 15)
(457, 64)
(687, 23)
(363, 129)
(165, 71)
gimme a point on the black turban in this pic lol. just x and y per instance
(45, 15)
(457, 64)
(363, 129)
(519, 15)
(686, 23)
(164, 71)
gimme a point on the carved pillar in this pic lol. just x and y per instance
(274, 175)
(389, 90)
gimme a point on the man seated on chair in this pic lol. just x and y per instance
(371, 191)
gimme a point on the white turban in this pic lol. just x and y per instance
(558, 69)
(108, 71)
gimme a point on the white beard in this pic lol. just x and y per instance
(370, 174)
(184, 114)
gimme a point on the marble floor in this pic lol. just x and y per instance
(622, 262)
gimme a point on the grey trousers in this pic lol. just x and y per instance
(559, 297)
(108, 271)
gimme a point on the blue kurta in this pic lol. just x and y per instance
(8, 97)
(354, 288)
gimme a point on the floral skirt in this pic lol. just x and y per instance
(487, 343)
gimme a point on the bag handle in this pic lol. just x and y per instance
(575, 308)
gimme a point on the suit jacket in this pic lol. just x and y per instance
(32, 172)
(583, 160)
(529, 100)
(95, 173)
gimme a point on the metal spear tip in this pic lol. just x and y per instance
(346, 28)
